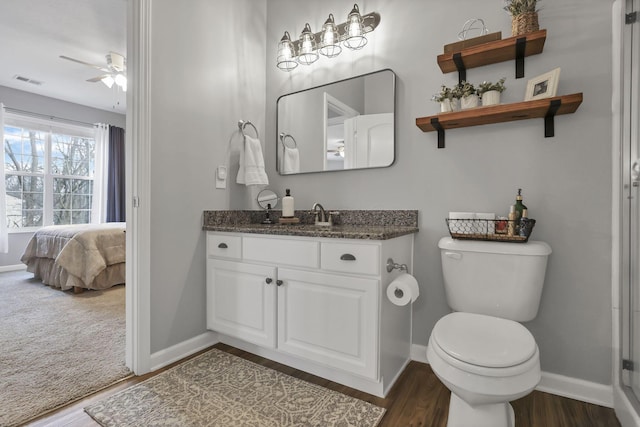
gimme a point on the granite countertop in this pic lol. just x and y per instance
(371, 225)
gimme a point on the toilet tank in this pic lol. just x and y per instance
(494, 278)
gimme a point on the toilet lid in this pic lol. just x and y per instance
(484, 340)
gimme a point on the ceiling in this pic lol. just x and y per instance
(34, 33)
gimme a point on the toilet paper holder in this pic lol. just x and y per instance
(391, 265)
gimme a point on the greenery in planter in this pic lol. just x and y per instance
(487, 86)
(518, 7)
(446, 93)
(466, 89)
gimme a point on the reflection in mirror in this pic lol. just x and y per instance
(348, 124)
(267, 197)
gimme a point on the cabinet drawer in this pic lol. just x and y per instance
(224, 246)
(350, 258)
(299, 253)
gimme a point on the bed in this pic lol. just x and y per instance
(81, 256)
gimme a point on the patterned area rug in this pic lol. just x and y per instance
(220, 389)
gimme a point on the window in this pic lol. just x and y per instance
(49, 172)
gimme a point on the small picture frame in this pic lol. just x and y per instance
(543, 86)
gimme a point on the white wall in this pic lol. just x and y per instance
(207, 72)
(53, 107)
(566, 179)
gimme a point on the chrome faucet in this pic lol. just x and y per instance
(323, 218)
(323, 215)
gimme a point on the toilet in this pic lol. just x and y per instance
(480, 351)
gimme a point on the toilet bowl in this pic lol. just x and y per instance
(486, 362)
(480, 351)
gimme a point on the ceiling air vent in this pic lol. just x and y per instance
(27, 80)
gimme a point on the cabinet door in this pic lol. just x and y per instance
(240, 302)
(330, 319)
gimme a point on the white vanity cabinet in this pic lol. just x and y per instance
(330, 319)
(317, 304)
(241, 300)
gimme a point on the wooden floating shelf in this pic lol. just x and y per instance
(493, 52)
(546, 108)
(500, 113)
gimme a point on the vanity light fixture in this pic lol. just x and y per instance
(308, 53)
(355, 38)
(330, 39)
(286, 54)
(327, 42)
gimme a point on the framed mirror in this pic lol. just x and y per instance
(348, 124)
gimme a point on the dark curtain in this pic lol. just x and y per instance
(115, 176)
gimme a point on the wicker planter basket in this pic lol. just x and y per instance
(524, 23)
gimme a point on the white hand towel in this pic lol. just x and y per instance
(291, 160)
(240, 177)
(251, 170)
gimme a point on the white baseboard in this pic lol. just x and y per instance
(16, 267)
(573, 388)
(165, 357)
(419, 353)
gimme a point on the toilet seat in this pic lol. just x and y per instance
(482, 344)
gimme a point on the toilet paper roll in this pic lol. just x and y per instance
(403, 290)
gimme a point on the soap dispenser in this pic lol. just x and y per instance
(287, 205)
(520, 207)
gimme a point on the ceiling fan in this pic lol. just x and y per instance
(116, 70)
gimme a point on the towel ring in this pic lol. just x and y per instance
(242, 124)
(284, 136)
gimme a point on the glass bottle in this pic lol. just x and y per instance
(519, 208)
(524, 221)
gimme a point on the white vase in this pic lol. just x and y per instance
(491, 97)
(448, 105)
(470, 101)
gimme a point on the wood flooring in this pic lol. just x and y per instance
(417, 399)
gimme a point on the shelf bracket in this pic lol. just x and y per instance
(521, 45)
(438, 127)
(549, 128)
(462, 70)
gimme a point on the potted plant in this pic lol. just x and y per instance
(448, 99)
(524, 16)
(490, 92)
(468, 95)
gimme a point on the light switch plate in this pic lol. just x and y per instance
(221, 176)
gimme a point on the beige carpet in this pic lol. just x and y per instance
(219, 389)
(56, 346)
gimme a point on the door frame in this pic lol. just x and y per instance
(138, 184)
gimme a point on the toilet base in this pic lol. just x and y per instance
(461, 414)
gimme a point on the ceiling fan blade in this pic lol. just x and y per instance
(85, 63)
(98, 78)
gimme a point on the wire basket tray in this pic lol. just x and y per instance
(494, 230)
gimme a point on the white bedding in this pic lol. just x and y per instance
(90, 256)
